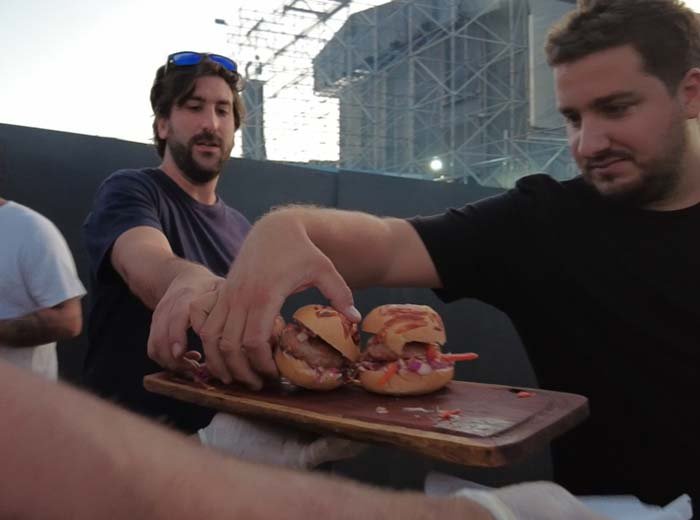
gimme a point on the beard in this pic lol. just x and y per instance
(183, 156)
(657, 179)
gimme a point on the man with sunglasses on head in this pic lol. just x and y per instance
(160, 237)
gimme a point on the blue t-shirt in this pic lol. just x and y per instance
(118, 323)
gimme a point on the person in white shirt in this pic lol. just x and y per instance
(40, 290)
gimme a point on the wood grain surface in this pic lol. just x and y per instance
(492, 425)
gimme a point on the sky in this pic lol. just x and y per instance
(86, 66)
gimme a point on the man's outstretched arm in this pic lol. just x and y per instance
(163, 282)
(295, 248)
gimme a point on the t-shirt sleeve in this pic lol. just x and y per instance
(47, 266)
(482, 249)
(124, 201)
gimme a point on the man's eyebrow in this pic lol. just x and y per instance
(200, 99)
(614, 97)
(603, 101)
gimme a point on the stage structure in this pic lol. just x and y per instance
(453, 90)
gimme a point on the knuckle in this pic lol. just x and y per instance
(155, 355)
(227, 346)
(255, 341)
(260, 297)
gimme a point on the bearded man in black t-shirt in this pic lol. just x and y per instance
(612, 257)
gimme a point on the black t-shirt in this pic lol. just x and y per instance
(118, 323)
(606, 300)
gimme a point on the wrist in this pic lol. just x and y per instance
(197, 277)
(288, 218)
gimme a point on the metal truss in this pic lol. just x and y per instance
(388, 88)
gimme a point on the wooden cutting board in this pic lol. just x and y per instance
(495, 425)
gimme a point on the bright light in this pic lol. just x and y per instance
(435, 164)
(693, 4)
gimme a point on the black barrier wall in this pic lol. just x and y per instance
(57, 174)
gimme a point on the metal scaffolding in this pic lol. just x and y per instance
(393, 87)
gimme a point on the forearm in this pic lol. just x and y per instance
(87, 459)
(360, 245)
(144, 259)
(149, 285)
(305, 495)
(27, 331)
(63, 321)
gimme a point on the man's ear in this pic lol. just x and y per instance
(163, 126)
(690, 93)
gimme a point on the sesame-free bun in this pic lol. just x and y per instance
(301, 374)
(405, 382)
(398, 324)
(332, 327)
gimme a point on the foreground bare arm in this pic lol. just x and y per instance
(366, 250)
(69, 455)
(62, 321)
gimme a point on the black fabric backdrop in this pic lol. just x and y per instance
(57, 173)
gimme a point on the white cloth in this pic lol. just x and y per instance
(37, 271)
(256, 441)
(614, 507)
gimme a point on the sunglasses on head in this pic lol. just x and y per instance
(189, 59)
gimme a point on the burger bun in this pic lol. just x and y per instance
(405, 382)
(398, 324)
(332, 327)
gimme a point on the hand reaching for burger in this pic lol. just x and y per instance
(259, 442)
(235, 329)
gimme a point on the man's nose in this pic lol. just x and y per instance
(593, 138)
(209, 120)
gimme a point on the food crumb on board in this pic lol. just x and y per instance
(448, 415)
(417, 409)
(523, 393)
(381, 409)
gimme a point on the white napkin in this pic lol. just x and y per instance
(615, 507)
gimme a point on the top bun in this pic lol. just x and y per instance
(332, 327)
(398, 324)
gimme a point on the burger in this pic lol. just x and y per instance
(317, 348)
(403, 356)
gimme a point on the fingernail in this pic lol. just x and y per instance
(177, 350)
(352, 313)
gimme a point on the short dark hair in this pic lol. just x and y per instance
(174, 85)
(665, 33)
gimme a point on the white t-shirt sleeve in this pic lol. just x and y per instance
(47, 266)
